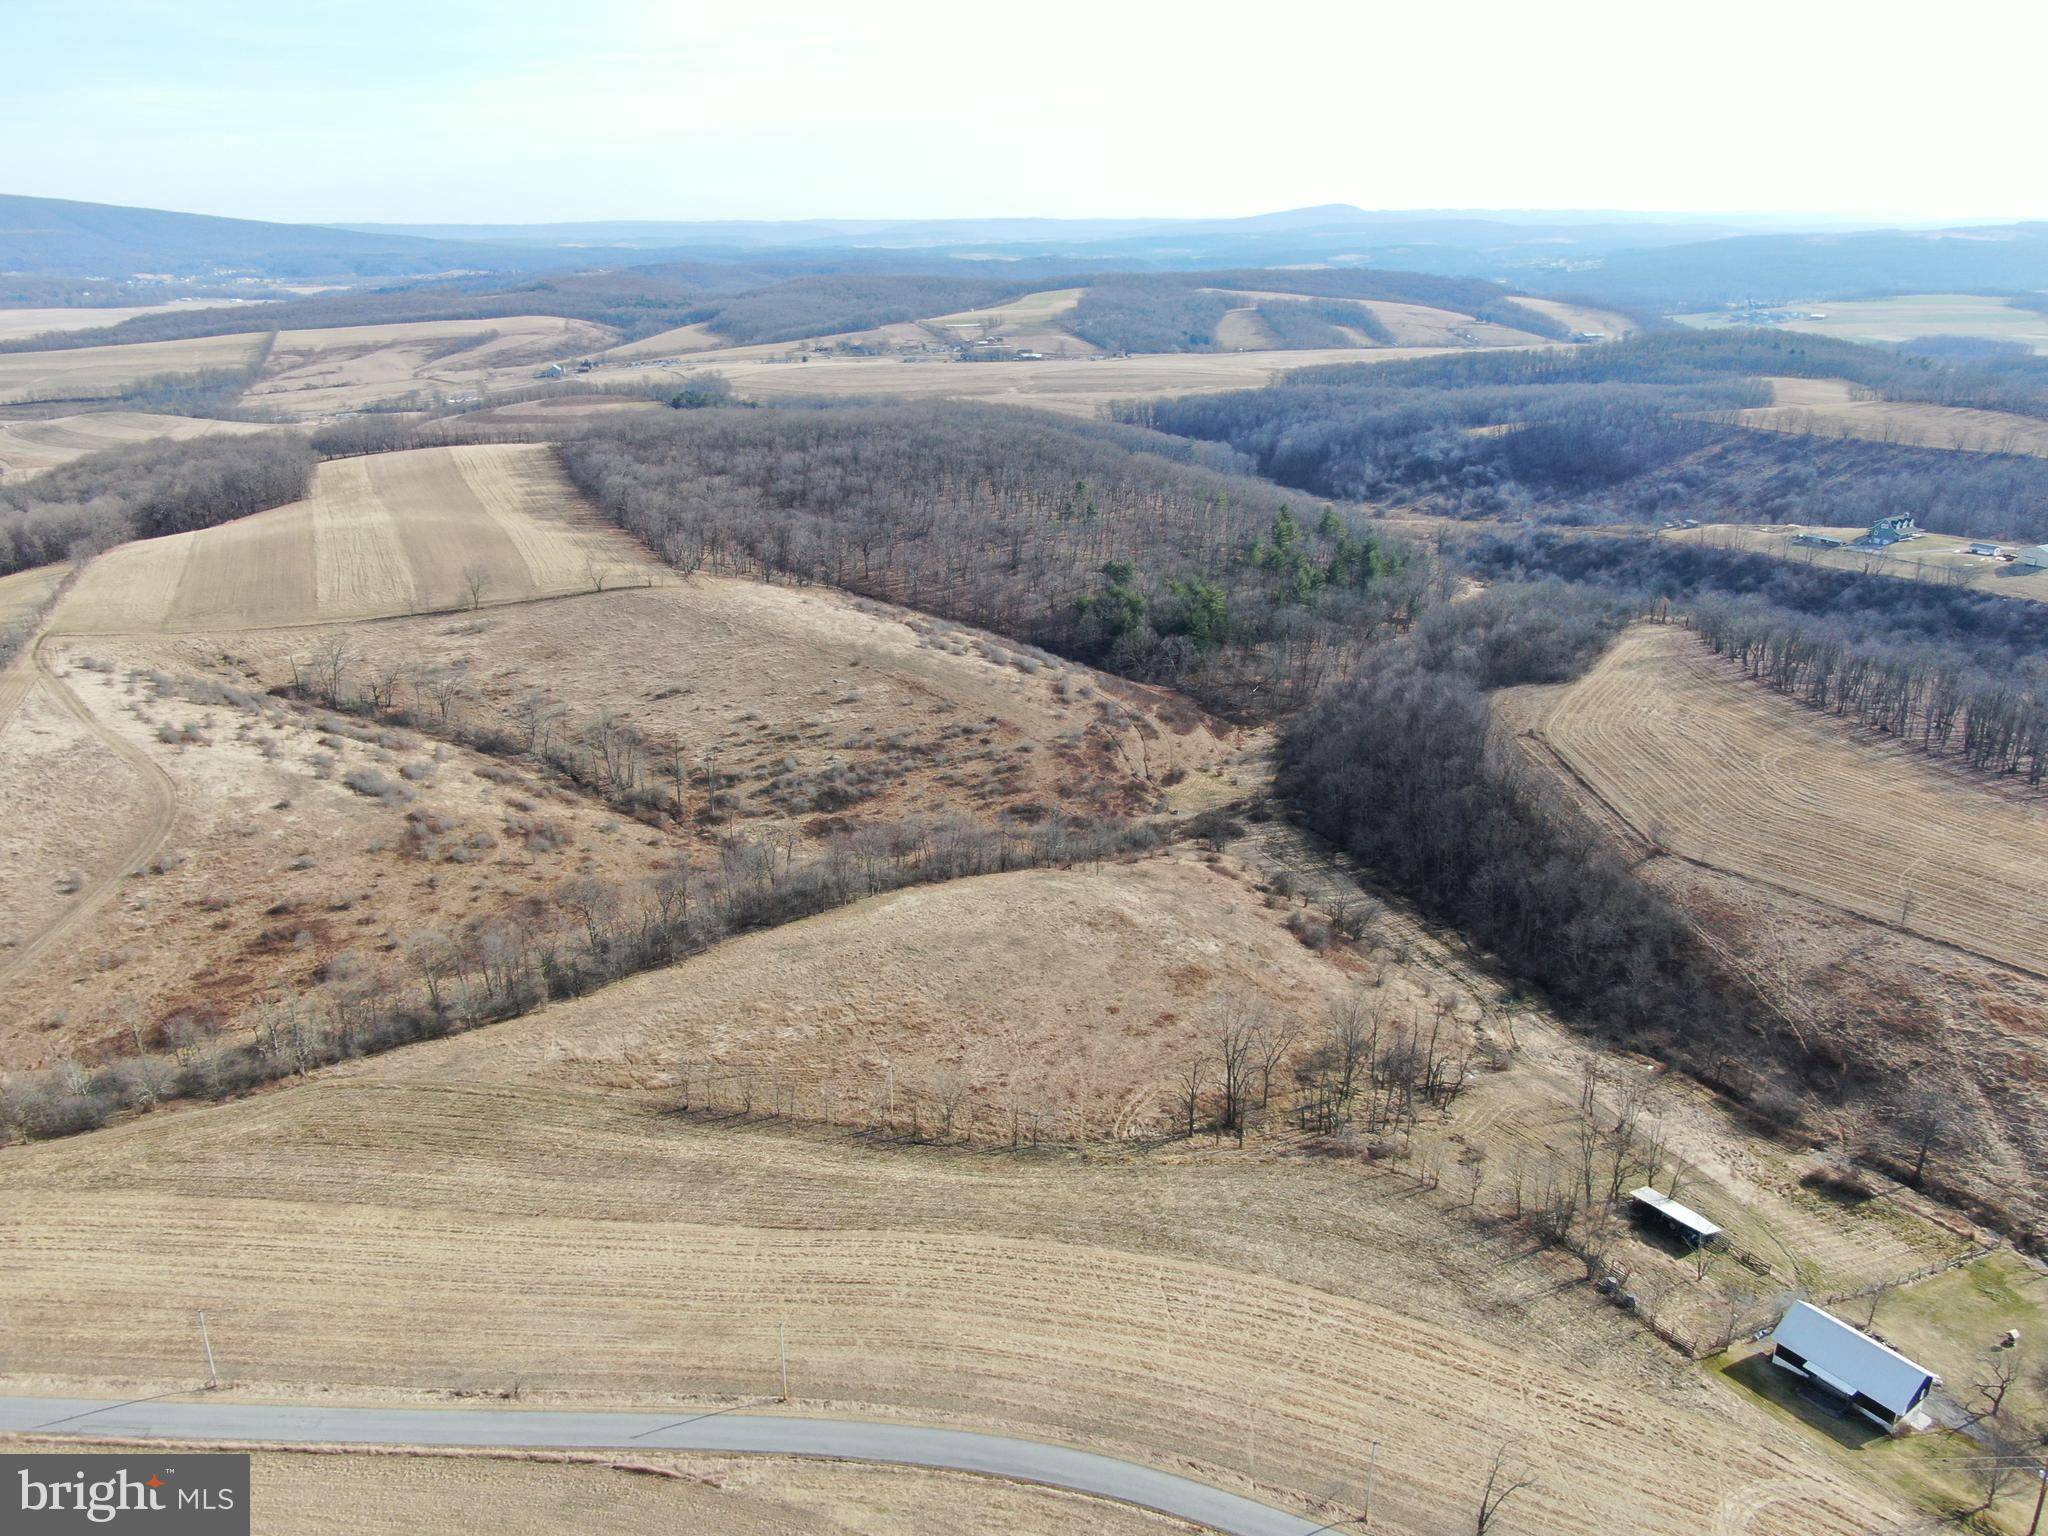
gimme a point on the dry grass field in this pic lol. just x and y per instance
(1941, 558)
(1076, 386)
(95, 373)
(1256, 1318)
(30, 447)
(811, 708)
(385, 534)
(1697, 762)
(1832, 408)
(17, 323)
(255, 861)
(311, 374)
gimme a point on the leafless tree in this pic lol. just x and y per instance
(1503, 1482)
(476, 581)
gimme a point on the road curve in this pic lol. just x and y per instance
(1025, 1461)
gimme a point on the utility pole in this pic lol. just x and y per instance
(212, 1376)
(1372, 1467)
(782, 1347)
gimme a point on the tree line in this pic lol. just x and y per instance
(145, 490)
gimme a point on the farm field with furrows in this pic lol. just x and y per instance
(1905, 317)
(1583, 318)
(310, 374)
(1833, 408)
(1150, 1305)
(1696, 761)
(94, 373)
(30, 447)
(384, 534)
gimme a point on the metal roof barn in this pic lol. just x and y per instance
(1878, 1381)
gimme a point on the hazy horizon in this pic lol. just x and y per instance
(628, 109)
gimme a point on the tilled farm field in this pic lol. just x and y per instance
(1265, 1321)
(387, 534)
(1698, 762)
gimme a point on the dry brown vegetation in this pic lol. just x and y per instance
(397, 533)
(1258, 1316)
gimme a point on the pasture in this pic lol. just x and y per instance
(1835, 408)
(30, 447)
(97, 373)
(1580, 317)
(385, 534)
(1696, 762)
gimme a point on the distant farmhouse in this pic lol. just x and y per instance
(1848, 1365)
(1887, 531)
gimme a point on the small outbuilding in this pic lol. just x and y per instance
(1660, 1213)
(1847, 1363)
(1985, 547)
(1817, 540)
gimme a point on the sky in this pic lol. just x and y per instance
(520, 111)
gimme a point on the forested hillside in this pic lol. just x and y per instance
(1148, 554)
(1635, 431)
(152, 488)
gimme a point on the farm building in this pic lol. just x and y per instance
(1660, 1213)
(1890, 530)
(2034, 555)
(1817, 540)
(1984, 547)
(1875, 1380)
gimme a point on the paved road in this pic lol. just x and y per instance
(1028, 1461)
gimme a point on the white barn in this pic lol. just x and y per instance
(1874, 1379)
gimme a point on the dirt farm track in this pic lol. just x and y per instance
(1696, 761)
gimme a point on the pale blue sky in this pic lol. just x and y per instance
(459, 110)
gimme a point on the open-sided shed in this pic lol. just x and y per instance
(1662, 1214)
